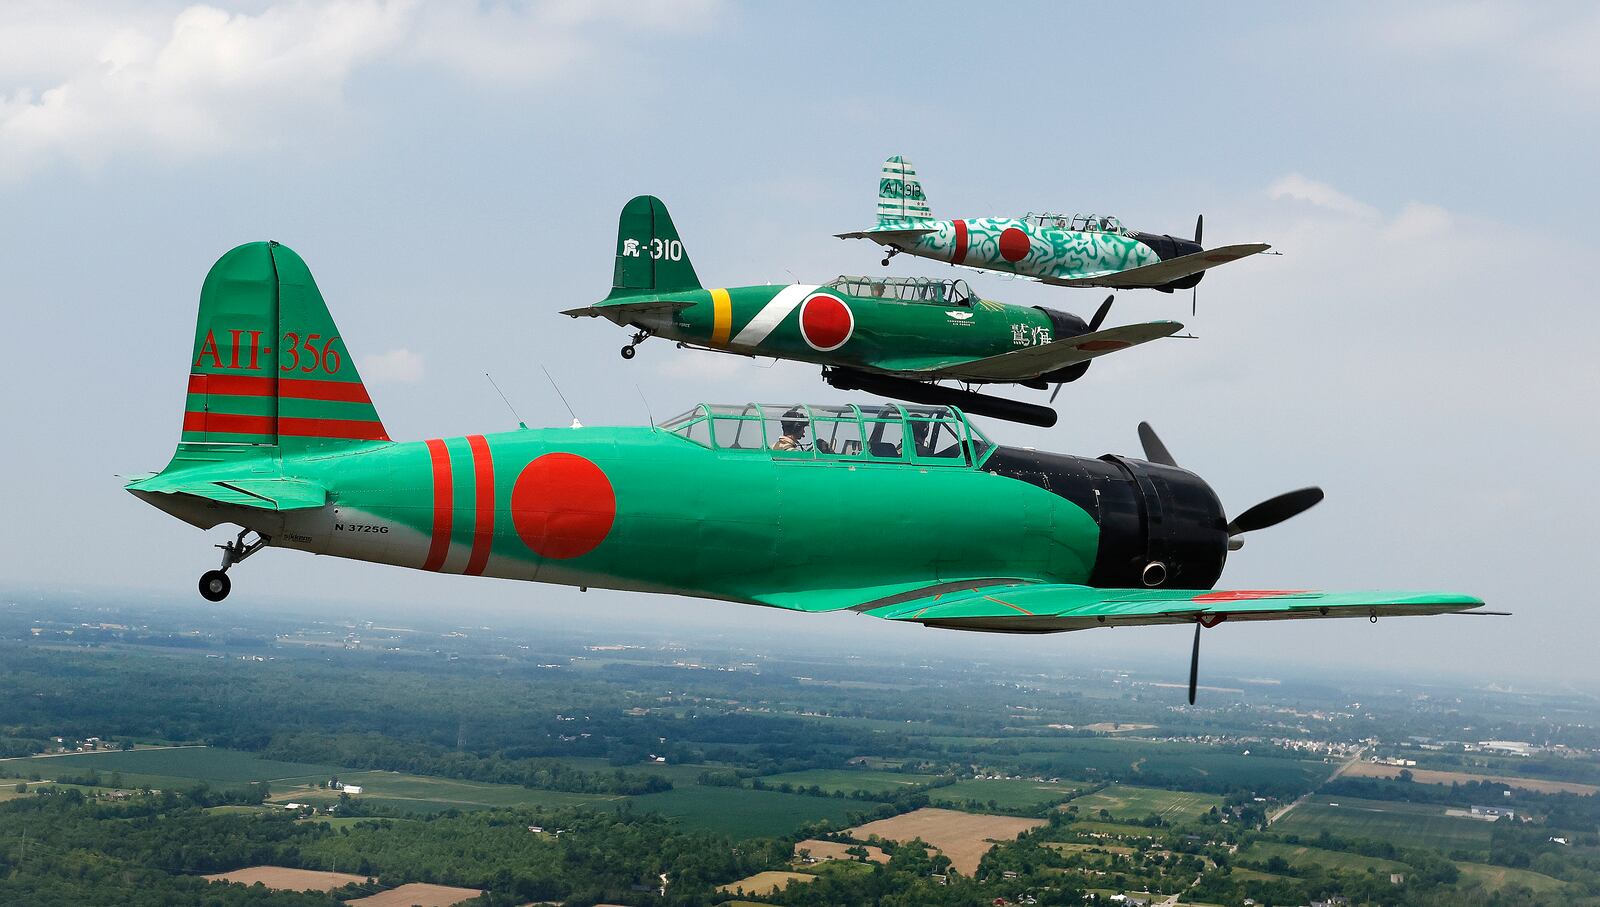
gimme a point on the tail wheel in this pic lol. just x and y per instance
(215, 585)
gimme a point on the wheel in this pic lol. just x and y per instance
(628, 351)
(214, 585)
(886, 262)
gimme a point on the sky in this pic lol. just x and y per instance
(452, 173)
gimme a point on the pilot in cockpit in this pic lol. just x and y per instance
(794, 431)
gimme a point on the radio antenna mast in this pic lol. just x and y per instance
(575, 422)
(520, 423)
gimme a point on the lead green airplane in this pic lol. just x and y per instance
(896, 337)
(903, 513)
(1083, 250)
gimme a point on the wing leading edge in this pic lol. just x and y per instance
(1034, 361)
(1055, 607)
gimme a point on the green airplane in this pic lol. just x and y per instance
(907, 513)
(1083, 250)
(894, 337)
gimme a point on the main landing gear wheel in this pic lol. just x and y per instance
(893, 251)
(628, 352)
(215, 585)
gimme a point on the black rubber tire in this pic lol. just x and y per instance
(215, 585)
(627, 352)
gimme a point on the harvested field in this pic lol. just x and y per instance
(1430, 776)
(282, 878)
(1126, 801)
(765, 883)
(833, 850)
(963, 837)
(418, 893)
(1116, 727)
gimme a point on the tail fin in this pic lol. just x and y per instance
(650, 256)
(270, 373)
(900, 195)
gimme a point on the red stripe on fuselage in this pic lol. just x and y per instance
(292, 388)
(443, 505)
(483, 522)
(960, 253)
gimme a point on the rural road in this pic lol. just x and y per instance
(1343, 767)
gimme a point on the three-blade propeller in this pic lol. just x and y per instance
(1270, 512)
(1094, 325)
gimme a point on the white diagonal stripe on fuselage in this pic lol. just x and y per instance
(772, 314)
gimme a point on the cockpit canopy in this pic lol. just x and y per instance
(878, 433)
(906, 289)
(1083, 223)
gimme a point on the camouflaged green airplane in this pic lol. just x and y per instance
(895, 337)
(906, 513)
(1083, 250)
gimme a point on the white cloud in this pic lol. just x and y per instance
(1300, 188)
(397, 366)
(206, 80)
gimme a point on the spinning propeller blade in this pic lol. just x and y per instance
(1101, 313)
(1194, 664)
(1154, 450)
(1199, 226)
(1275, 510)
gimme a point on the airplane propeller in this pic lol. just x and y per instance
(1199, 226)
(1194, 291)
(1268, 513)
(1094, 325)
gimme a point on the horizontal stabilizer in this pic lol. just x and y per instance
(1162, 272)
(1033, 361)
(625, 312)
(263, 494)
(1054, 607)
(888, 237)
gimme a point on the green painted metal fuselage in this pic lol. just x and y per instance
(931, 334)
(796, 530)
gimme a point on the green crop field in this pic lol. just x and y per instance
(848, 780)
(1124, 801)
(188, 764)
(743, 813)
(1005, 794)
(1261, 851)
(1382, 820)
(1494, 878)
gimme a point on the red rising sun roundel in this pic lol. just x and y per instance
(1014, 244)
(826, 322)
(562, 506)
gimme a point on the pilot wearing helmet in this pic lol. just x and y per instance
(794, 431)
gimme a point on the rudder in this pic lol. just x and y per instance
(650, 256)
(269, 372)
(900, 196)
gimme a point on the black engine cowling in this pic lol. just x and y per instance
(1062, 326)
(1160, 526)
(1167, 247)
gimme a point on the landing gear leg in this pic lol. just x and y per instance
(214, 584)
(893, 251)
(639, 337)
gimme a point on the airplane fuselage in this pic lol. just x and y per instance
(1021, 246)
(651, 509)
(823, 325)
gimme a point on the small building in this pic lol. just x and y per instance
(352, 789)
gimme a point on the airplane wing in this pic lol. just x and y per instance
(1057, 607)
(1162, 271)
(887, 237)
(1033, 361)
(624, 312)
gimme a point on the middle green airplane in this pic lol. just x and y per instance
(891, 336)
